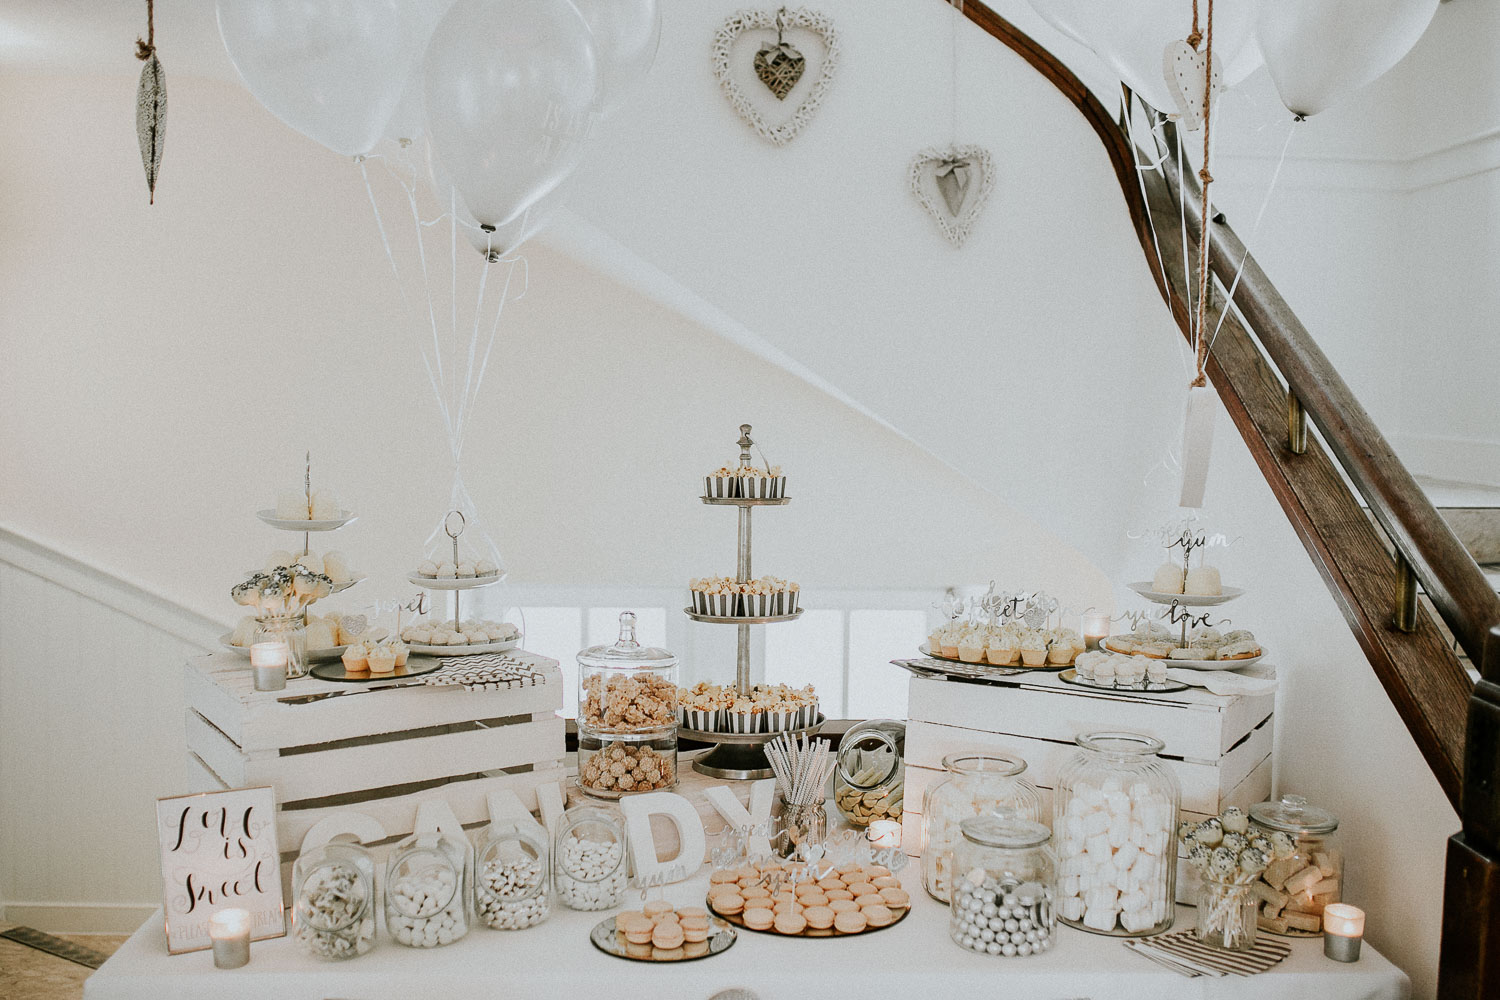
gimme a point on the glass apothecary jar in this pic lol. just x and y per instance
(427, 888)
(1115, 815)
(1306, 869)
(977, 783)
(870, 780)
(589, 866)
(333, 901)
(612, 766)
(512, 880)
(290, 629)
(1003, 887)
(627, 688)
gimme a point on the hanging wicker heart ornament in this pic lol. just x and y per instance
(779, 67)
(778, 64)
(953, 184)
(1186, 71)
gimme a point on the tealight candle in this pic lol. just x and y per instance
(884, 834)
(268, 660)
(1343, 930)
(230, 932)
(1095, 628)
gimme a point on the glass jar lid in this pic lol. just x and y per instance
(994, 765)
(1120, 744)
(877, 743)
(1293, 815)
(1008, 832)
(627, 653)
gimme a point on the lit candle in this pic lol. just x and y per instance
(230, 932)
(1343, 930)
(268, 660)
(884, 834)
(1095, 628)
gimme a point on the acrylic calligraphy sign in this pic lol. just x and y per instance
(218, 850)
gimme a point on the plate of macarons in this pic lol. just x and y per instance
(793, 900)
(660, 932)
(1206, 649)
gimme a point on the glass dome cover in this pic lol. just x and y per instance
(627, 652)
(1293, 815)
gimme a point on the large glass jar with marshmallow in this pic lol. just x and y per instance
(977, 784)
(1114, 820)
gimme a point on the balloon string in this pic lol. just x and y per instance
(463, 403)
(1205, 178)
(1255, 228)
(434, 378)
(1195, 36)
(495, 326)
(453, 300)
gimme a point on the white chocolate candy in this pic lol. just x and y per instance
(508, 895)
(330, 898)
(425, 910)
(590, 874)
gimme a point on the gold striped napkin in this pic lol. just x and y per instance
(1182, 952)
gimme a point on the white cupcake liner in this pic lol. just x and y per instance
(721, 487)
(742, 722)
(749, 487)
(793, 597)
(777, 485)
(701, 719)
(781, 720)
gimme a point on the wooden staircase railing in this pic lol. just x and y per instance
(1270, 395)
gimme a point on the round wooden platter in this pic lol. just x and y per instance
(738, 920)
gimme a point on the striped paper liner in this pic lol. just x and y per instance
(484, 672)
(1185, 945)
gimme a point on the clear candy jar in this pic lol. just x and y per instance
(976, 784)
(333, 901)
(588, 859)
(609, 767)
(290, 629)
(512, 883)
(627, 711)
(427, 888)
(870, 780)
(1115, 816)
(1306, 871)
(1226, 914)
(1003, 887)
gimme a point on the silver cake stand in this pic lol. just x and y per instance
(741, 755)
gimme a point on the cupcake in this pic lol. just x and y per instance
(1060, 652)
(1104, 670)
(949, 640)
(1001, 650)
(934, 640)
(971, 646)
(402, 653)
(356, 659)
(381, 660)
(1156, 672)
(1034, 649)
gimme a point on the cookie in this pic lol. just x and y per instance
(691, 913)
(818, 917)
(790, 923)
(758, 918)
(807, 889)
(877, 871)
(850, 922)
(869, 899)
(814, 899)
(895, 897)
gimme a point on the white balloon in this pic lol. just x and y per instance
(1318, 51)
(626, 34)
(409, 120)
(504, 240)
(1133, 46)
(1071, 17)
(331, 69)
(509, 87)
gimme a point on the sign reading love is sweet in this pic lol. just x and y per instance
(218, 850)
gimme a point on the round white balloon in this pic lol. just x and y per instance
(331, 69)
(504, 240)
(409, 121)
(1319, 51)
(1134, 46)
(1071, 17)
(625, 34)
(509, 87)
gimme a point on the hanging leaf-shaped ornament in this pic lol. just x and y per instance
(151, 119)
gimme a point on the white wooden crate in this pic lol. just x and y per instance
(378, 748)
(1218, 747)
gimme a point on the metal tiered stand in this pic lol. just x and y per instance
(741, 755)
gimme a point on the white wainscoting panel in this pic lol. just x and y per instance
(91, 705)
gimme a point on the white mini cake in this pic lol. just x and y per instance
(1168, 579)
(447, 571)
(1203, 582)
(485, 568)
(325, 506)
(281, 557)
(314, 562)
(291, 505)
(336, 567)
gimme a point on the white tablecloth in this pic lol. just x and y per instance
(914, 959)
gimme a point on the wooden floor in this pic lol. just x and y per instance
(28, 974)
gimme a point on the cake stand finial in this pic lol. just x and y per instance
(745, 442)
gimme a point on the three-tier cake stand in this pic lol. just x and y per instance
(741, 755)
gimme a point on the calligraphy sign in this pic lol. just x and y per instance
(218, 850)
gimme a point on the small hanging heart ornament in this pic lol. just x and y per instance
(354, 624)
(953, 184)
(1185, 69)
(780, 66)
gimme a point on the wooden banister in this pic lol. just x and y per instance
(1424, 680)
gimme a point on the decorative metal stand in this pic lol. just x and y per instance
(455, 585)
(741, 755)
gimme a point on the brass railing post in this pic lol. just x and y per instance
(1296, 424)
(1405, 618)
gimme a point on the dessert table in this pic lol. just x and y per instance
(914, 958)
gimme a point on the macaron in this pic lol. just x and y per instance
(886, 882)
(688, 914)
(729, 902)
(667, 936)
(878, 916)
(759, 918)
(850, 922)
(693, 933)
(895, 897)
(756, 892)
(722, 876)
(790, 923)
(818, 917)
(839, 894)
(656, 906)
(843, 906)
(860, 888)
